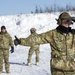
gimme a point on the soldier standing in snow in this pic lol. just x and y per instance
(5, 43)
(62, 42)
(33, 47)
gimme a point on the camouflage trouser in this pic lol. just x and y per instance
(57, 72)
(31, 51)
(4, 54)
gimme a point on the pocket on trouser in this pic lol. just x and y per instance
(61, 72)
(58, 63)
(70, 73)
(58, 73)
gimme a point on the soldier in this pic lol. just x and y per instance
(62, 42)
(5, 44)
(34, 47)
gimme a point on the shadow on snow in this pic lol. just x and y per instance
(16, 63)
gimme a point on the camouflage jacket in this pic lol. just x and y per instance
(5, 41)
(32, 38)
(62, 46)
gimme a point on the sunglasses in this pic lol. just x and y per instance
(67, 20)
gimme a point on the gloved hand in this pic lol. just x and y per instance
(16, 41)
(12, 49)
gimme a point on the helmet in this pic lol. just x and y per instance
(32, 30)
(63, 16)
(3, 27)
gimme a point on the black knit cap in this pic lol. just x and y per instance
(3, 27)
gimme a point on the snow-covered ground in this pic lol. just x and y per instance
(20, 26)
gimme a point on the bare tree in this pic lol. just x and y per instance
(37, 10)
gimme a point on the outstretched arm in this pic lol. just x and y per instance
(41, 39)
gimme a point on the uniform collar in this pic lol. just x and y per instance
(63, 29)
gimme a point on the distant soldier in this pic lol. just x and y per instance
(62, 42)
(5, 44)
(34, 47)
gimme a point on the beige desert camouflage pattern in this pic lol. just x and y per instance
(63, 50)
(5, 43)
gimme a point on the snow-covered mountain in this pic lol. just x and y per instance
(20, 26)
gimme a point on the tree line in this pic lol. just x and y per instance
(54, 8)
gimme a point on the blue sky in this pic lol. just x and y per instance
(11, 7)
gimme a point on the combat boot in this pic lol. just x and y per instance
(36, 63)
(28, 64)
(7, 72)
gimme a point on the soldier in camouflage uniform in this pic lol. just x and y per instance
(5, 43)
(34, 47)
(62, 42)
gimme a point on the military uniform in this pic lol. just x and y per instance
(33, 47)
(62, 42)
(5, 43)
(63, 49)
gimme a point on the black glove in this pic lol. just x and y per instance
(16, 41)
(12, 49)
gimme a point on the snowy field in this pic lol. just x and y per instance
(20, 26)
